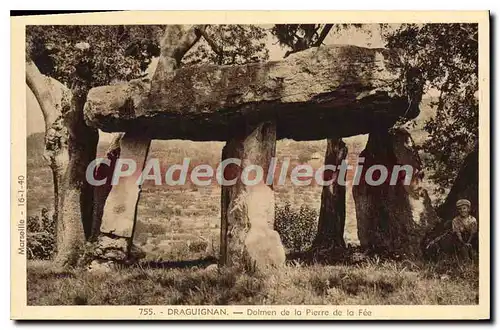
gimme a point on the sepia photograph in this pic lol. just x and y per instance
(251, 169)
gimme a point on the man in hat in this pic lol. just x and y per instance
(465, 227)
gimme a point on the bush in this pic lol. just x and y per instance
(297, 228)
(40, 245)
(41, 236)
(198, 246)
(154, 228)
(33, 224)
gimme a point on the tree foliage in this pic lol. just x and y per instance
(447, 57)
(236, 44)
(299, 37)
(93, 55)
(296, 226)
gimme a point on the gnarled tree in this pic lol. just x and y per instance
(63, 63)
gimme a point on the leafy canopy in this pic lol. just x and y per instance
(238, 44)
(93, 55)
(299, 37)
(447, 56)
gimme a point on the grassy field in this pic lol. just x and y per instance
(178, 229)
(372, 282)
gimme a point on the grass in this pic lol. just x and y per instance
(373, 282)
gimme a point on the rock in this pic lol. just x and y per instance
(247, 236)
(136, 253)
(112, 248)
(393, 218)
(101, 266)
(101, 192)
(121, 204)
(331, 91)
(212, 268)
(251, 238)
(119, 213)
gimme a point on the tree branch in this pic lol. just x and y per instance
(43, 89)
(305, 42)
(467, 31)
(323, 35)
(175, 43)
(217, 50)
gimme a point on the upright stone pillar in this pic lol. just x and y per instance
(394, 214)
(228, 174)
(332, 212)
(104, 172)
(120, 210)
(247, 236)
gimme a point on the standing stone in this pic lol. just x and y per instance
(225, 200)
(120, 210)
(392, 218)
(247, 236)
(332, 212)
(101, 193)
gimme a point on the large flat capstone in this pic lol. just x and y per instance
(330, 91)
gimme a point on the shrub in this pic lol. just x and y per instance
(41, 236)
(48, 222)
(33, 224)
(297, 227)
(40, 245)
(156, 229)
(198, 246)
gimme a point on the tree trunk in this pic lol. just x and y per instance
(465, 186)
(175, 43)
(439, 240)
(52, 97)
(70, 145)
(332, 213)
(76, 196)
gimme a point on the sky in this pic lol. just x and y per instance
(369, 36)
